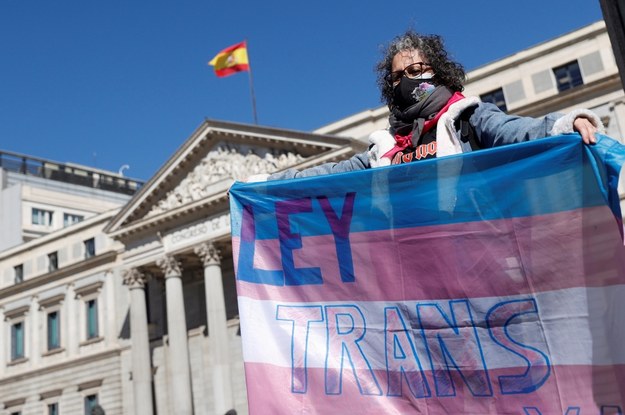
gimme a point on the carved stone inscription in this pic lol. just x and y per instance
(197, 232)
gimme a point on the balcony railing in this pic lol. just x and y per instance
(32, 166)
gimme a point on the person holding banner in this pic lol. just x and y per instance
(485, 284)
(429, 116)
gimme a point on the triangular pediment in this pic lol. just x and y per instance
(218, 153)
(224, 162)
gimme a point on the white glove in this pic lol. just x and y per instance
(382, 142)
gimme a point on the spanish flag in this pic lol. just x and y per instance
(231, 60)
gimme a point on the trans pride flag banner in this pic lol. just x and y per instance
(484, 283)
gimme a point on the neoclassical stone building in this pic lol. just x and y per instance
(177, 264)
(122, 294)
(131, 304)
(61, 297)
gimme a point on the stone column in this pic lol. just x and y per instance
(178, 353)
(217, 327)
(141, 365)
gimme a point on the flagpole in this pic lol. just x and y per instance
(252, 88)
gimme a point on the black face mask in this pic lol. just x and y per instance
(412, 91)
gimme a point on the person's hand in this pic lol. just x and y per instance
(583, 126)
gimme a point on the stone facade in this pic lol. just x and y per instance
(77, 358)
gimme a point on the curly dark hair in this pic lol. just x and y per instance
(446, 71)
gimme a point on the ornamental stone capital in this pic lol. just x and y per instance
(208, 253)
(170, 266)
(134, 278)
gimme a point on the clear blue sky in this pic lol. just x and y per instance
(113, 82)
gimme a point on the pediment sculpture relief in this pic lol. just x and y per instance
(220, 164)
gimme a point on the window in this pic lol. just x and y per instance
(92, 318)
(53, 261)
(568, 76)
(50, 307)
(41, 217)
(53, 408)
(18, 273)
(89, 319)
(495, 97)
(54, 341)
(17, 341)
(89, 248)
(91, 401)
(70, 219)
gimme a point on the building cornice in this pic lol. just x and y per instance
(355, 120)
(101, 218)
(67, 271)
(66, 364)
(14, 402)
(157, 222)
(570, 97)
(534, 52)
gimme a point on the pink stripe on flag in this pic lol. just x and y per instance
(580, 248)
(567, 387)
